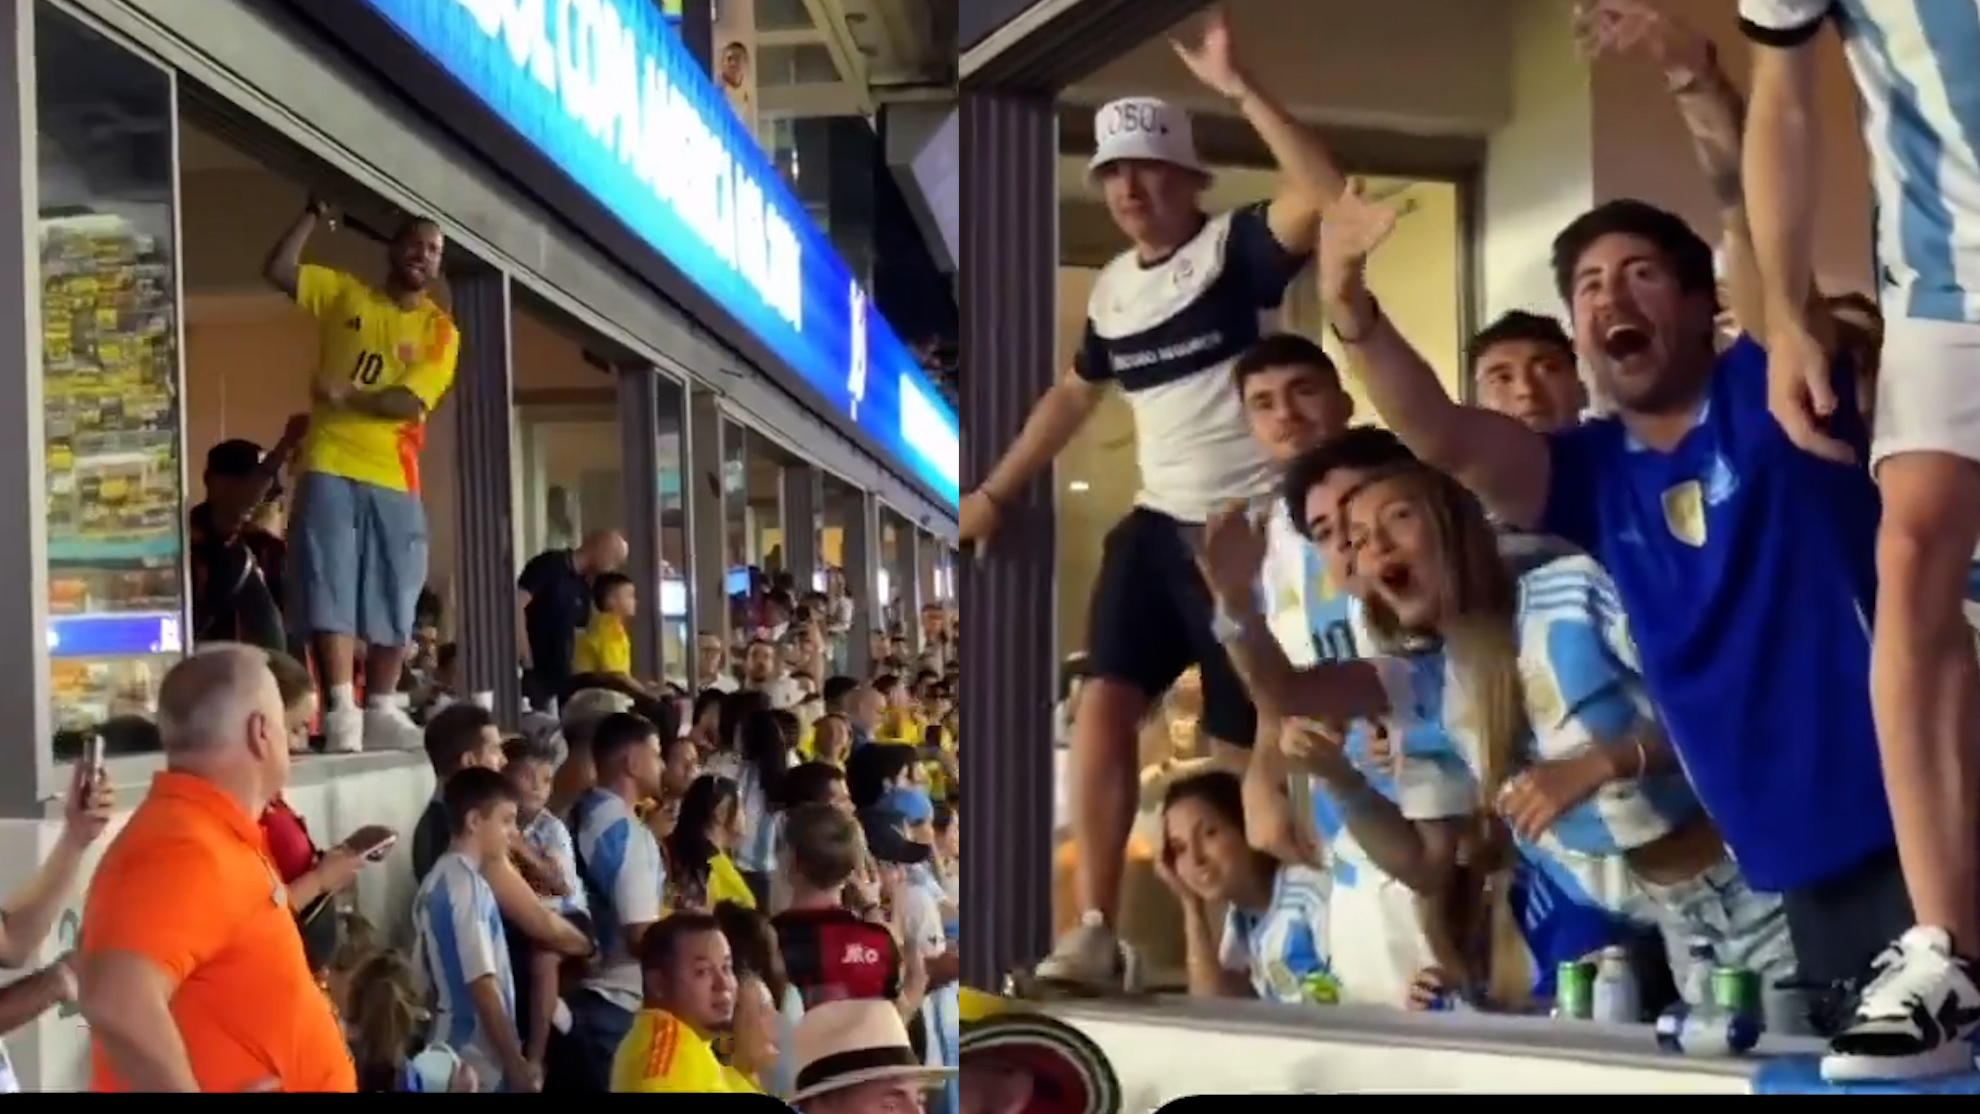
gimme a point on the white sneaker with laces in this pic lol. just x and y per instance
(388, 727)
(343, 731)
(1916, 1017)
(1088, 956)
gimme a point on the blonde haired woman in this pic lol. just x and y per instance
(1584, 814)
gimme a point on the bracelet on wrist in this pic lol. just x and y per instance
(1373, 318)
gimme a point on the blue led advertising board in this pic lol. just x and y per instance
(606, 90)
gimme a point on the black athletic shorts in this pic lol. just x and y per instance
(1151, 619)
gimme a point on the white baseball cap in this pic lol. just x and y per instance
(1143, 128)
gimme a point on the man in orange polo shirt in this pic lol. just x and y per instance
(357, 534)
(192, 971)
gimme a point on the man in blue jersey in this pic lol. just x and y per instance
(1744, 563)
(619, 861)
(1917, 69)
(1165, 321)
(462, 947)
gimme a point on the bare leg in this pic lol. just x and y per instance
(1105, 792)
(382, 666)
(1925, 684)
(333, 660)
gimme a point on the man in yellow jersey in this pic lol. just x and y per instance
(689, 995)
(357, 538)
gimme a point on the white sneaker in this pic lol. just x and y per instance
(1090, 956)
(343, 731)
(388, 727)
(1915, 1018)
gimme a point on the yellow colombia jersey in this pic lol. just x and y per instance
(604, 647)
(725, 883)
(662, 1056)
(368, 341)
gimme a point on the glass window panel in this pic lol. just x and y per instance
(764, 509)
(676, 632)
(110, 374)
(838, 504)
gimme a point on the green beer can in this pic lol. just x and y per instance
(1736, 991)
(1574, 990)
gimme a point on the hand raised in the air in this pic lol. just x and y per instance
(1212, 57)
(1350, 230)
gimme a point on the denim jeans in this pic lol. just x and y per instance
(598, 1027)
(1747, 929)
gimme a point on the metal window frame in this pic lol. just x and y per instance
(38, 782)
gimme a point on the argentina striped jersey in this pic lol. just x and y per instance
(1916, 64)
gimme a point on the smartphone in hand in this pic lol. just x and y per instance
(373, 842)
(92, 756)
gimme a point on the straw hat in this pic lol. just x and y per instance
(1071, 1072)
(858, 1040)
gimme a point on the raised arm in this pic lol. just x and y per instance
(29, 913)
(1234, 549)
(1782, 150)
(1310, 180)
(1502, 461)
(1781, 155)
(283, 267)
(1713, 110)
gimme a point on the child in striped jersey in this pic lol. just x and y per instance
(1274, 940)
(530, 769)
(463, 949)
(1541, 693)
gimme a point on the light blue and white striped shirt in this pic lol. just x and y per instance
(1916, 64)
(552, 839)
(1315, 622)
(461, 941)
(1583, 687)
(1283, 947)
(624, 877)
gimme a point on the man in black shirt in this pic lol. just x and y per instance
(554, 592)
(236, 566)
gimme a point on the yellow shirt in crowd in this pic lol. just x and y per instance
(725, 883)
(368, 341)
(662, 1055)
(604, 647)
(900, 726)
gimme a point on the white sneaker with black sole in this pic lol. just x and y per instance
(1916, 1017)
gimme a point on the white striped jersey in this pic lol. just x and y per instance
(461, 941)
(1168, 333)
(1916, 64)
(625, 876)
(1583, 688)
(1317, 623)
(552, 840)
(1283, 947)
